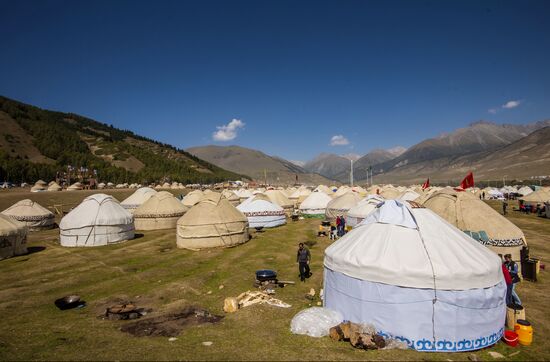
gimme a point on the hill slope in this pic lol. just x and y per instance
(37, 143)
(328, 165)
(254, 163)
(436, 155)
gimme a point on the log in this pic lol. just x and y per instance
(345, 327)
(336, 333)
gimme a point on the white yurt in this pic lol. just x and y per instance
(138, 198)
(54, 186)
(261, 212)
(231, 197)
(13, 237)
(525, 190)
(341, 191)
(192, 198)
(418, 279)
(473, 216)
(315, 205)
(408, 195)
(298, 196)
(537, 197)
(161, 211)
(244, 194)
(39, 186)
(360, 211)
(279, 198)
(211, 223)
(340, 205)
(98, 220)
(75, 187)
(389, 192)
(101, 185)
(32, 214)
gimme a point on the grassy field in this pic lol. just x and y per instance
(152, 272)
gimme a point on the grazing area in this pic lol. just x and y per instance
(186, 291)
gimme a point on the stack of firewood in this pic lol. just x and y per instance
(357, 336)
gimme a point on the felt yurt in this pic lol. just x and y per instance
(473, 216)
(341, 191)
(32, 214)
(75, 187)
(161, 211)
(300, 195)
(408, 195)
(536, 197)
(324, 188)
(13, 237)
(261, 212)
(279, 198)
(98, 220)
(39, 186)
(101, 185)
(231, 197)
(137, 199)
(211, 223)
(54, 186)
(244, 194)
(340, 205)
(315, 205)
(389, 192)
(192, 198)
(418, 279)
(363, 208)
(525, 190)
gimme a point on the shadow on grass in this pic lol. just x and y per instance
(35, 249)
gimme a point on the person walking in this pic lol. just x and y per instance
(303, 258)
(513, 270)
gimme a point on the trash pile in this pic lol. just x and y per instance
(249, 298)
(125, 311)
(315, 321)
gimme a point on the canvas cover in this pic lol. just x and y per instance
(161, 211)
(417, 279)
(261, 212)
(213, 222)
(279, 198)
(537, 197)
(340, 205)
(315, 204)
(390, 193)
(408, 195)
(137, 199)
(468, 213)
(13, 237)
(32, 214)
(98, 220)
(525, 190)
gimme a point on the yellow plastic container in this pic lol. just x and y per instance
(525, 332)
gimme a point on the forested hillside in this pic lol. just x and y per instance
(38, 143)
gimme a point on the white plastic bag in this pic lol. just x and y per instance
(315, 321)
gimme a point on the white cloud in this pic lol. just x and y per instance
(511, 104)
(339, 140)
(228, 132)
(493, 111)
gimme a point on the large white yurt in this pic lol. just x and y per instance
(137, 199)
(261, 212)
(211, 223)
(279, 198)
(192, 198)
(315, 205)
(161, 211)
(537, 197)
(525, 190)
(473, 216)
(298, 196)
(417, 278)
(340, 205)
(98, 220)
(32, 214)
(13, 237)
(360, 211)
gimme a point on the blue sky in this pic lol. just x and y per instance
(292, 74)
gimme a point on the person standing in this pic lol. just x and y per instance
(513, 270)
(343, 225)
(303, 258)
(508, 280)
(504, 207)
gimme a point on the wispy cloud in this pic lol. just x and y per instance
(339, 140)
(228, 131)
(507, 105)
(511, 104)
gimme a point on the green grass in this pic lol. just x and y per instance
(152, 272)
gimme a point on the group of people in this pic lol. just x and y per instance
(511, 276)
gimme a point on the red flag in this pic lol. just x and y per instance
(468, 181)
(426, 184)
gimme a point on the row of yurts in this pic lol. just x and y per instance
(41, 185)
(406, 267)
